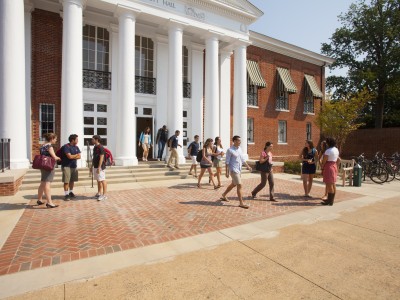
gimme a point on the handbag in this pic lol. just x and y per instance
(43, 162)
(263, 167)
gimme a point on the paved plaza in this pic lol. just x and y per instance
(137, 225)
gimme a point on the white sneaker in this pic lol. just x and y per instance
(158, 159)
(102, 198)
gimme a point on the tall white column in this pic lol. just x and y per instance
(225, 98)
(240, 97)
(211, 113)
(126, 125)
(71, 82)
(28, 72)
(114, 87)
(162, 85)
(12, 78)
(197, 90)
(175, 84)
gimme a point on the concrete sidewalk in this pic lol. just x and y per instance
(349, 250)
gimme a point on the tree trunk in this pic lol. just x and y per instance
(379, 107)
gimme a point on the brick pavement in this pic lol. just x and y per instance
(135, 218)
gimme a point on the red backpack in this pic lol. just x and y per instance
(108, 157)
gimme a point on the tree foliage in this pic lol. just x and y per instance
(339, 118)
(368, 44)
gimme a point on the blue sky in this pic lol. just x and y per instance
(304, 23)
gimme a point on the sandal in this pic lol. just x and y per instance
(244, 206)
(51, 206)
(223, 199)
(216, 187)
(199, 186)
(39, 202)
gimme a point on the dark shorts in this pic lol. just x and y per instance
(308, 168)
(47, 176)
(205, 166)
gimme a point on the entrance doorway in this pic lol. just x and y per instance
(141, 124)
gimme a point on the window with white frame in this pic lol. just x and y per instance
(282, 132)
(250, 130)
(282, 95)
(46, 119)
(144, 56)
(95, 121)
(252, 93)
(308, 131)
(308, 99)
(96, 48)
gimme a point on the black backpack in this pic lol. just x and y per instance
(199, 156)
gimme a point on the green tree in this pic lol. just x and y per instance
(368, 44)
(338, 118)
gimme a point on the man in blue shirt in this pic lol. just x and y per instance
(234, 161)
(70, 154)
(173, 145)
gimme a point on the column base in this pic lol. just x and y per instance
(126, 161)
(19, 164)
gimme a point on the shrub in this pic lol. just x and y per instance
(292, 167)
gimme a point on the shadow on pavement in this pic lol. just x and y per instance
(13, 206)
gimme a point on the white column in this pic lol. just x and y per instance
(28, 72)
(240, 97)
(71, 82)
(197, 90)
(126, 124)
(114, 88)
(12, 78)
(175, 85)
(225, 98)
(211, 113)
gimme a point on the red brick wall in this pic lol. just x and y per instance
(266, 117)
(10, 188)
(46, 68)
(370, 141)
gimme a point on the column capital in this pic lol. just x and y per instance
(174, 24)
(28, 5)
(239, 43)
(213, 35)
(114, 28)
(79, 3)
(225, 53)
(126, 11)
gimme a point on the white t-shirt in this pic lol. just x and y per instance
(218, 151)
(332, 153)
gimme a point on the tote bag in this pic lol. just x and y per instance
(43, 162)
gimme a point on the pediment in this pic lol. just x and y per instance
(243, 6)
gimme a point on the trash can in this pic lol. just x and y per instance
(357, 175)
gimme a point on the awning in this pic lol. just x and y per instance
(255, 74)
(313, 86)
(287, 80)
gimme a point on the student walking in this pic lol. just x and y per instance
(47, 176)
(233, 168)
(173, 144)
(218, 151)
(329, 170)
(70, 154)
(309, 158)
(145, 141)
(161, 140)
(206, 162)
(266, 158)
(193, 149)
(99, 166)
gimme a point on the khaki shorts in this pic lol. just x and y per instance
(236, 179)
(101, 176)
(218, 163)
(146, 147)
(69, 174)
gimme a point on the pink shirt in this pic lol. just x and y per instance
(264, 155)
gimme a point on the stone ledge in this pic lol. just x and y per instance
(12, 175)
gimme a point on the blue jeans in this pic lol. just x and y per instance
(161, 146)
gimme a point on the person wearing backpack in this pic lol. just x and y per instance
(161, 140)
(98, 168)
(193, 150)
(70, 153)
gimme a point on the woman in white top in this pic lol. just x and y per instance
(145, 141)
(218, 151)
(329, 170)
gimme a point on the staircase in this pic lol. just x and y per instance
(144, 172)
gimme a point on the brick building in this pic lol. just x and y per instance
(192, 64)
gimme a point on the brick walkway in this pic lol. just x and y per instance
(136, 218)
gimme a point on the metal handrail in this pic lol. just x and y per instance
(5, 154)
